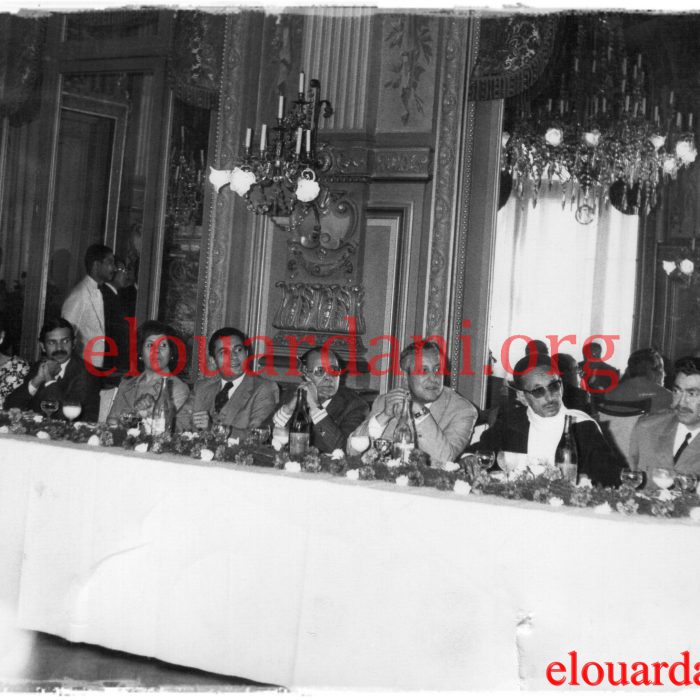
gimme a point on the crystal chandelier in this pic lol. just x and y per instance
(603, 131)
(279, 176)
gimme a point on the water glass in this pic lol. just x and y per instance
(662, 477)
(486, 458)
(633, 478)
(49, 407)
(686, 482)
(280, 435)
(359, 443)
(71, 409)
(383, 447)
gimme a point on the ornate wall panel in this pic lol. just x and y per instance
(336, 50)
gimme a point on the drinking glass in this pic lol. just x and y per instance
(130, 419)
(383, 447)
(258, 436)
(280, 435)
(662, 477)
(486, 458)
(221, 431)
(71, 409)
(49, 407)
(633, 478)
(359, 443)
(686, 482)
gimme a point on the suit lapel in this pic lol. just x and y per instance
(239, 398)
(664, 445)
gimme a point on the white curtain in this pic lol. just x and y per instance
(553, 275)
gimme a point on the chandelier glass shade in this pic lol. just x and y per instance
(603, 130)
(280, 174)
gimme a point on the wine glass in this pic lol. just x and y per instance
(383, 447)
(359, 443)
(633, 478)
(49, 407)
(687, 482)
(130, 419)
(662, 477)
(221, 431)
(486, 458)
(71, 409)
(258, 436)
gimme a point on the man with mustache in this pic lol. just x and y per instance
(335, 410)
(59, 375)
(536, 427)
(233, 397)
(443, 419)
(668, 438)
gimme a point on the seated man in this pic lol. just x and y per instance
(643, 379)
(537, 429)
(232, 397)
(598, 376)
(335, 410)
(60, 374)
(668, 438)
(443, 419)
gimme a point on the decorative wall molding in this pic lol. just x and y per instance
(402, 163)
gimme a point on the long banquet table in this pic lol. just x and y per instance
(312, 580)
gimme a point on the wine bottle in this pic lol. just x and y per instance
(163, 410)
(566, 456)
(404, 434)
(300, 427)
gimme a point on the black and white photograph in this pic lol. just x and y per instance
(349, 348)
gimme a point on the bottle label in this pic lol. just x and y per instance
(402, 451)
(298, 444)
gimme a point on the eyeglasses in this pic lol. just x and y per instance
(540, 391)
(320, 370)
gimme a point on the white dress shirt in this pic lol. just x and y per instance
(33, 390)
(85, 309)
(681, 432)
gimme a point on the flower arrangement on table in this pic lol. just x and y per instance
(534, 483)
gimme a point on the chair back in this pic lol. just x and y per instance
(617, 420)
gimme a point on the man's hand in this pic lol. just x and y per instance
(48, 370)
(201, 420)
(392, 404)
(311, 395)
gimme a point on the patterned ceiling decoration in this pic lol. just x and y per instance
(513, 53)
(195, 58)
(21, 44)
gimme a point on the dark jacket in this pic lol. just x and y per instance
(76, 384)
(116, 327)
(596, 459)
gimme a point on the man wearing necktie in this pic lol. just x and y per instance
(669, 438)
(233, 397)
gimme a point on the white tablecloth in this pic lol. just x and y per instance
(304, 580)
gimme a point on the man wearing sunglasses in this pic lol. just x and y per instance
(335, 410)
(536, 427)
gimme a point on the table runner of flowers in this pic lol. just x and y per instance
(541, 486)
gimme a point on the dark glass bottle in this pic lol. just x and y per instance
(566, 456)
(404, 434)
(300, 427)
(163, 410)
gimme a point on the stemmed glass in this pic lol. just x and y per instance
(71, 409)
(130, 419)
(49, 407)
(633, 478)
(486, 458)
(359, 443)
(686, 482)
(662, 477)
(383, 447)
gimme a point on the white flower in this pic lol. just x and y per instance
(232, 442)
(94, 441)
(670, 166)
(553, 136)
(669, 266)
(37, 418)
(187, 434)
(219, 178)
(307, 190)
(43, 435)
(393, 463)
(133, 432)
(402, 480)
(603, 509)
(4, 430)
(450, 466)
(461, 487)
(337, 454)
(206, 455)
(293, 467)
(592, 138)
(505, 137)
(694, 514)
(686, 151)
(141, 447)
(353, 474)
(686, 266)
(537, 467)
(665, 495)
(276, 444)
(555, 502)
(584, 482)
(657, 141)
(241, 181)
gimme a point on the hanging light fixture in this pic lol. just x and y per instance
(599, 128)
(280, 174)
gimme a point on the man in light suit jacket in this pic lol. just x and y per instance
(335, 410)
(443, 419)
(233, 397)
(60, 374)
(669, 439)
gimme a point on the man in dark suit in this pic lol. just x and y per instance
(537, 426)
(573, 396)
(60, 374)
(669, 438)
(335, 410)
(116, 326)
(232, 397)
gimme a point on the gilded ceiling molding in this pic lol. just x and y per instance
(451, 96)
